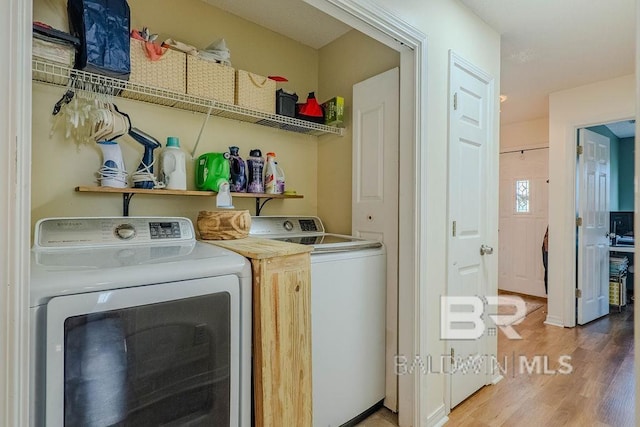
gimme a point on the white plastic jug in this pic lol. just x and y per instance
(270, 175)
(279, 179)
(173, 164)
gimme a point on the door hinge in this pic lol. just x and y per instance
(455, 101)
(578, 293)
(454, 229)
(580, 150)
(579, 221)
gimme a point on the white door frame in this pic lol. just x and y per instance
(562, 220)
(15, 210)
(374, 21)
(593, 104)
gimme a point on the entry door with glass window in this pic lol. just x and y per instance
(524, 210)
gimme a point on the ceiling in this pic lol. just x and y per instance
(547, 45)
(294, 19)
(623, 129)
(551, 45)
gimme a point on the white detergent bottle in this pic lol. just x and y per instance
(271, 174)
(280, 179)
(173, 164)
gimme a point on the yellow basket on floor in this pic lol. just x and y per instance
(615, 298)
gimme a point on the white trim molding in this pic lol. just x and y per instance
(553, 321)
(15, 218)
(636, 279)
(438, 418)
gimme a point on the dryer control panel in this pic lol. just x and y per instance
(87, 232)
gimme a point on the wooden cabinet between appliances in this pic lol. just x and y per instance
(281, 329)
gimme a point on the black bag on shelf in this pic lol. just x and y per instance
(103, 28)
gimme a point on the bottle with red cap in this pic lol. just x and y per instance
(271, 175)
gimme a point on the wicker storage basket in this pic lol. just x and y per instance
(255, 92)
(169, 72)
(210, 80)
(224, 225)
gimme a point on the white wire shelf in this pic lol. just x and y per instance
(60, 75)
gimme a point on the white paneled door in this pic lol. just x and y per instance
(471, 203)
(593, 214)
(524, 213)
(375, 192)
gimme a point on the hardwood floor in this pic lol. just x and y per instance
(381, 418)
(598, 392)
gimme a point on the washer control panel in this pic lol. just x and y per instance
(283, 225)
(165, 230)
(79, 232)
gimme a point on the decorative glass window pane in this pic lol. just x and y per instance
(522, 196)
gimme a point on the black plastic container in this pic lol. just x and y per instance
(286, 103)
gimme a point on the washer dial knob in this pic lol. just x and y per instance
(288, 225)
(125, 231)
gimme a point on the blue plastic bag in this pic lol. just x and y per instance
(103, 28)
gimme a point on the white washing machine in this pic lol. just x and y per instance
(348, 317)
(134, 322)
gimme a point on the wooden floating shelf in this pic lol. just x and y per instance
(128, 193)
(165, 192)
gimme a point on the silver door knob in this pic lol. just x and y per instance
(486, 250)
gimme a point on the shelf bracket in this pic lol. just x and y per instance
(126, 199)
(259, 205)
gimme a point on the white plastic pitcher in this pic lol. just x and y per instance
(174, 171)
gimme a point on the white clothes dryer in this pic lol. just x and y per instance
(134, 322)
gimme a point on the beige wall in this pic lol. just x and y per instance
(348, 60)
(448, 25)
(525, 135)
(59, 165)
(602, 102)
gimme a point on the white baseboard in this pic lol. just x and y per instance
(554, 321)
(497, 379)
(437, 418)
